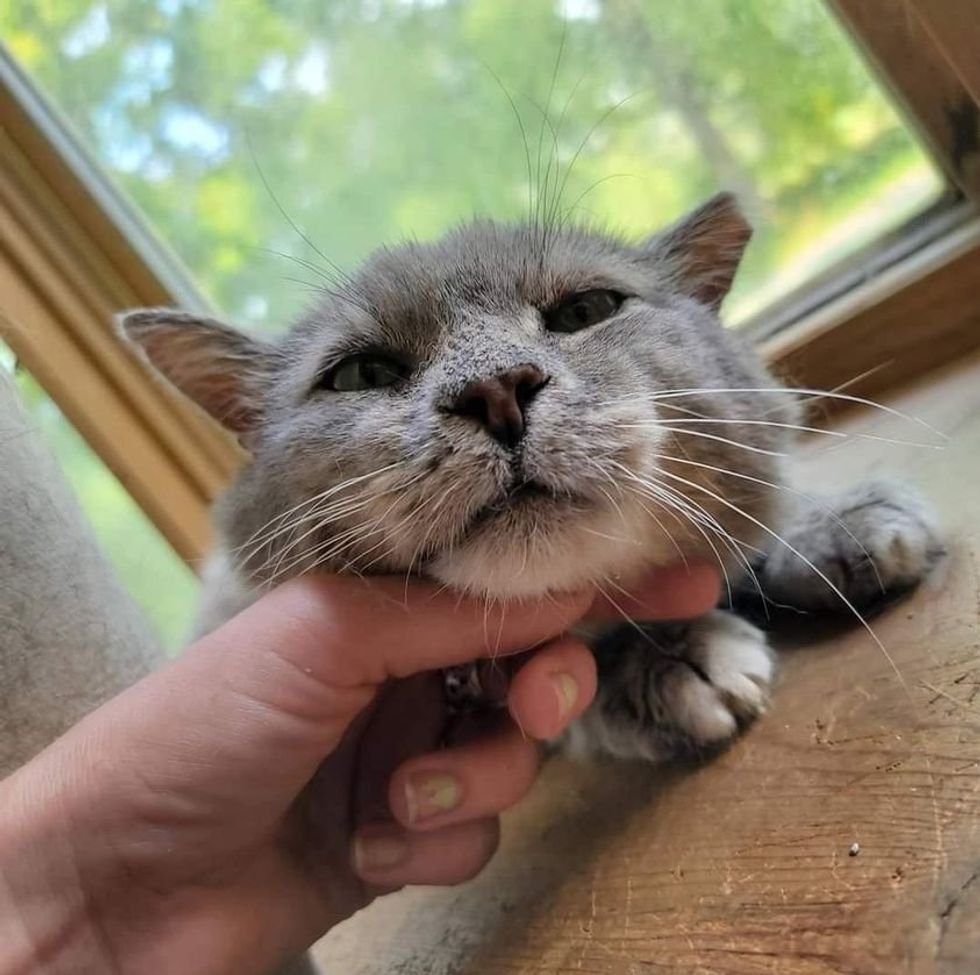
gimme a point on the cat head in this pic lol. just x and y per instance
(507, 409)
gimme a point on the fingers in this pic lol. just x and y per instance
(677, 592)
(553, 688)
(489, 773)
(389, 856)
(409, 720)
(469, 782)
(446, 803)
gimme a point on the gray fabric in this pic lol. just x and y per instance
(70, 637)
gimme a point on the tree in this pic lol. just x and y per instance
(371, 119)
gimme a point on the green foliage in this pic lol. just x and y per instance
(372, 120)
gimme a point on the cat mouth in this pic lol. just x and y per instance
(523, 495)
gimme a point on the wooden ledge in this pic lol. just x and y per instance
(742, 866)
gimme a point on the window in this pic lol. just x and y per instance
(228, 138)
(370, 121)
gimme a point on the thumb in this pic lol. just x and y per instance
(347, 631)
(255, 706)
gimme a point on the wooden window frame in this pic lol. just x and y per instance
(906, 312)
(73, 253)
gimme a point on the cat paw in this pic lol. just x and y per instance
(722, 682)
(668, 690)
(870, 543)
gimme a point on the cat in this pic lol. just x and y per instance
(513, 410)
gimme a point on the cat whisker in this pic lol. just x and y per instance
(421, 547)
(707, 436)
(698, 517)
(800, 428)
(814, 568)
(523, 130)
(659, 495)
(295, 553)
(323, 550)
(595, 184)
(321, 519)
(622, 612)
(656, 520)
(321, 516)
(553, 210)
(275, 526)
(306, 502)
(345, 539)
(825, 509)
(609, 538)
(840, 387)
(615, 506)
(545, 120)
(791, 391)
(587, 137)
(332, 547)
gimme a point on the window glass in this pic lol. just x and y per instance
(367, 121)
(148, 567)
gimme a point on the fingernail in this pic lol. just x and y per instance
(379, 851)
(430, 794)
(566, 688)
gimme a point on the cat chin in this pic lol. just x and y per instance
(576, 558)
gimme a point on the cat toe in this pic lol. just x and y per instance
(698, 708)
(726, 682)
(878, 541)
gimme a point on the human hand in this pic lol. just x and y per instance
(227, 810)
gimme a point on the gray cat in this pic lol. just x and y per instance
(513, 410)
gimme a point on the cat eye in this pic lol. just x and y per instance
(582, 310)
(366, 370)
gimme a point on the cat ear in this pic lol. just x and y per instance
(702, 251)
(219, 368)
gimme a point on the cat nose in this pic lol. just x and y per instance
(499, 404)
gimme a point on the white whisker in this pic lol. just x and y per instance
(785, 487)
(782, 541)
(800, 428)
(785, 391)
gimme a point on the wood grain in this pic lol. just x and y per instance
(954, 26)
(105, 420)
(906, 321)
(68, 266)
(938, 105)
(742, 866)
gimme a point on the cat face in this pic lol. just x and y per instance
(507, 410)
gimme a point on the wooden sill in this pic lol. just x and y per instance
(742, 866)
(909, 319)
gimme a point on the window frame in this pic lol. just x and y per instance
(73, 253)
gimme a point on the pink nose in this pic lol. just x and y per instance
(500, 404)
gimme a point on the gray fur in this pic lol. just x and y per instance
(873, 540)
(674, 689)
(403, 485)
